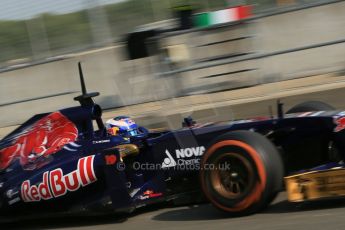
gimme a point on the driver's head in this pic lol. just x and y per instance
(123, 126)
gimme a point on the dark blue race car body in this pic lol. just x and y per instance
(106, 184)
(79, 168)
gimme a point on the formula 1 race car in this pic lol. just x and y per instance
(66, 161)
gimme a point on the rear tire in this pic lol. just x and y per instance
(254, 178)
(310, 106)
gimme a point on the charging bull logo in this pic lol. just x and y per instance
(55, 183)
(44, 138)
(340, 122)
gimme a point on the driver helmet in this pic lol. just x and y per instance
(123, 126)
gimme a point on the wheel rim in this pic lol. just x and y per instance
(234, 181)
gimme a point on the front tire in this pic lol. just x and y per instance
(310, 106)
(253, 179)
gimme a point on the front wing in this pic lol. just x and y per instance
(316, 185)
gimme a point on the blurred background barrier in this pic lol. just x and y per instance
(265, 48)
(283, 40)
(31, 30)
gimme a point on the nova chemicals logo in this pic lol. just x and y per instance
(190, 152)
(181, 154)
(168, 161)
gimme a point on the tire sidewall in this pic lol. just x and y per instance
(266, 163)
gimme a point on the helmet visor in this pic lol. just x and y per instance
(133, 132)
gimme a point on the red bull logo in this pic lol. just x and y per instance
(340, 122)
(45, 137)
(55, 183)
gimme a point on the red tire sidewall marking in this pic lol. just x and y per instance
(260, 185)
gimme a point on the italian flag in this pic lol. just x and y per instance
(222, 16)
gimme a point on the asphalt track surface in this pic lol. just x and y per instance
(278, 216)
